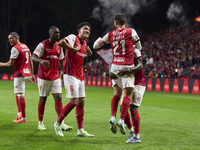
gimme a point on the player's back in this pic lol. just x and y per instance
(122, 46)
(22, 63)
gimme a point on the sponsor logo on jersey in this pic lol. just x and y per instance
(52, 57)
(80, 54)
(26, 70)
(119, 59)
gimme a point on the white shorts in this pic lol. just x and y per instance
(45, 86)
(75, 88)
(19, 85)
(137, 95)
(124, 81)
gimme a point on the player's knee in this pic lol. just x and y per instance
(81, 101)
(57, 97)
(133, 107)
(74, 101)
(43, 99)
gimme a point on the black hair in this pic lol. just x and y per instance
(15, 34)
(52, 28)
(83, 24)
(120, 18)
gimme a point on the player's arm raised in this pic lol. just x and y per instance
(64, 44)
(101, 42)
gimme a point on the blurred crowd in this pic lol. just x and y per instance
(97, 67)
(164, 54)
(167, 53)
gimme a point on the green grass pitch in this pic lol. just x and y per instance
(169, 121)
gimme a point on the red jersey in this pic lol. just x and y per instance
(53, 53)
(139, 76)
(74, 60)
(122, 41)
(21, 53)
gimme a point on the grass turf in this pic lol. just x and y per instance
(169, 121)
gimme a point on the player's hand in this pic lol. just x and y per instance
(123, 72)
(112, 75)
(88, 51)
(77, 48)
(0, 64)
(99, 38)
(45, 63)
(33, 79)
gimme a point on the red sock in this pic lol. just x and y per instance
(65, 111)
(79, 116)
(41, 108)
(136, 121)
(23, 106)
(127, 121)
(18, 103)
(114, 105)
(58, 107)
(124, 108)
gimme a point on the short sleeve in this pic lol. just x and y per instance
(135, 36)
(61, 54)
(137, 53)
(14, 53)
(71, 39)
(39, 50)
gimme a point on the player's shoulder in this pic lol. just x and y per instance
(129, 29)
(21, 46)
(71, 37)
(45, 42)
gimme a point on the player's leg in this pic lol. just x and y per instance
(19, 114)
(136, 123)
(80, 111)
(44, 90)
(127, 121)
(71, 90)
(124, 109)
(127, 84)
(136, 101)
(114, 106)
(41, 109)
(19, 89)
(56, 91)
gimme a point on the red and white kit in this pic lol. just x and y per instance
(21, 54)
(49, 77)
(73, 70)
